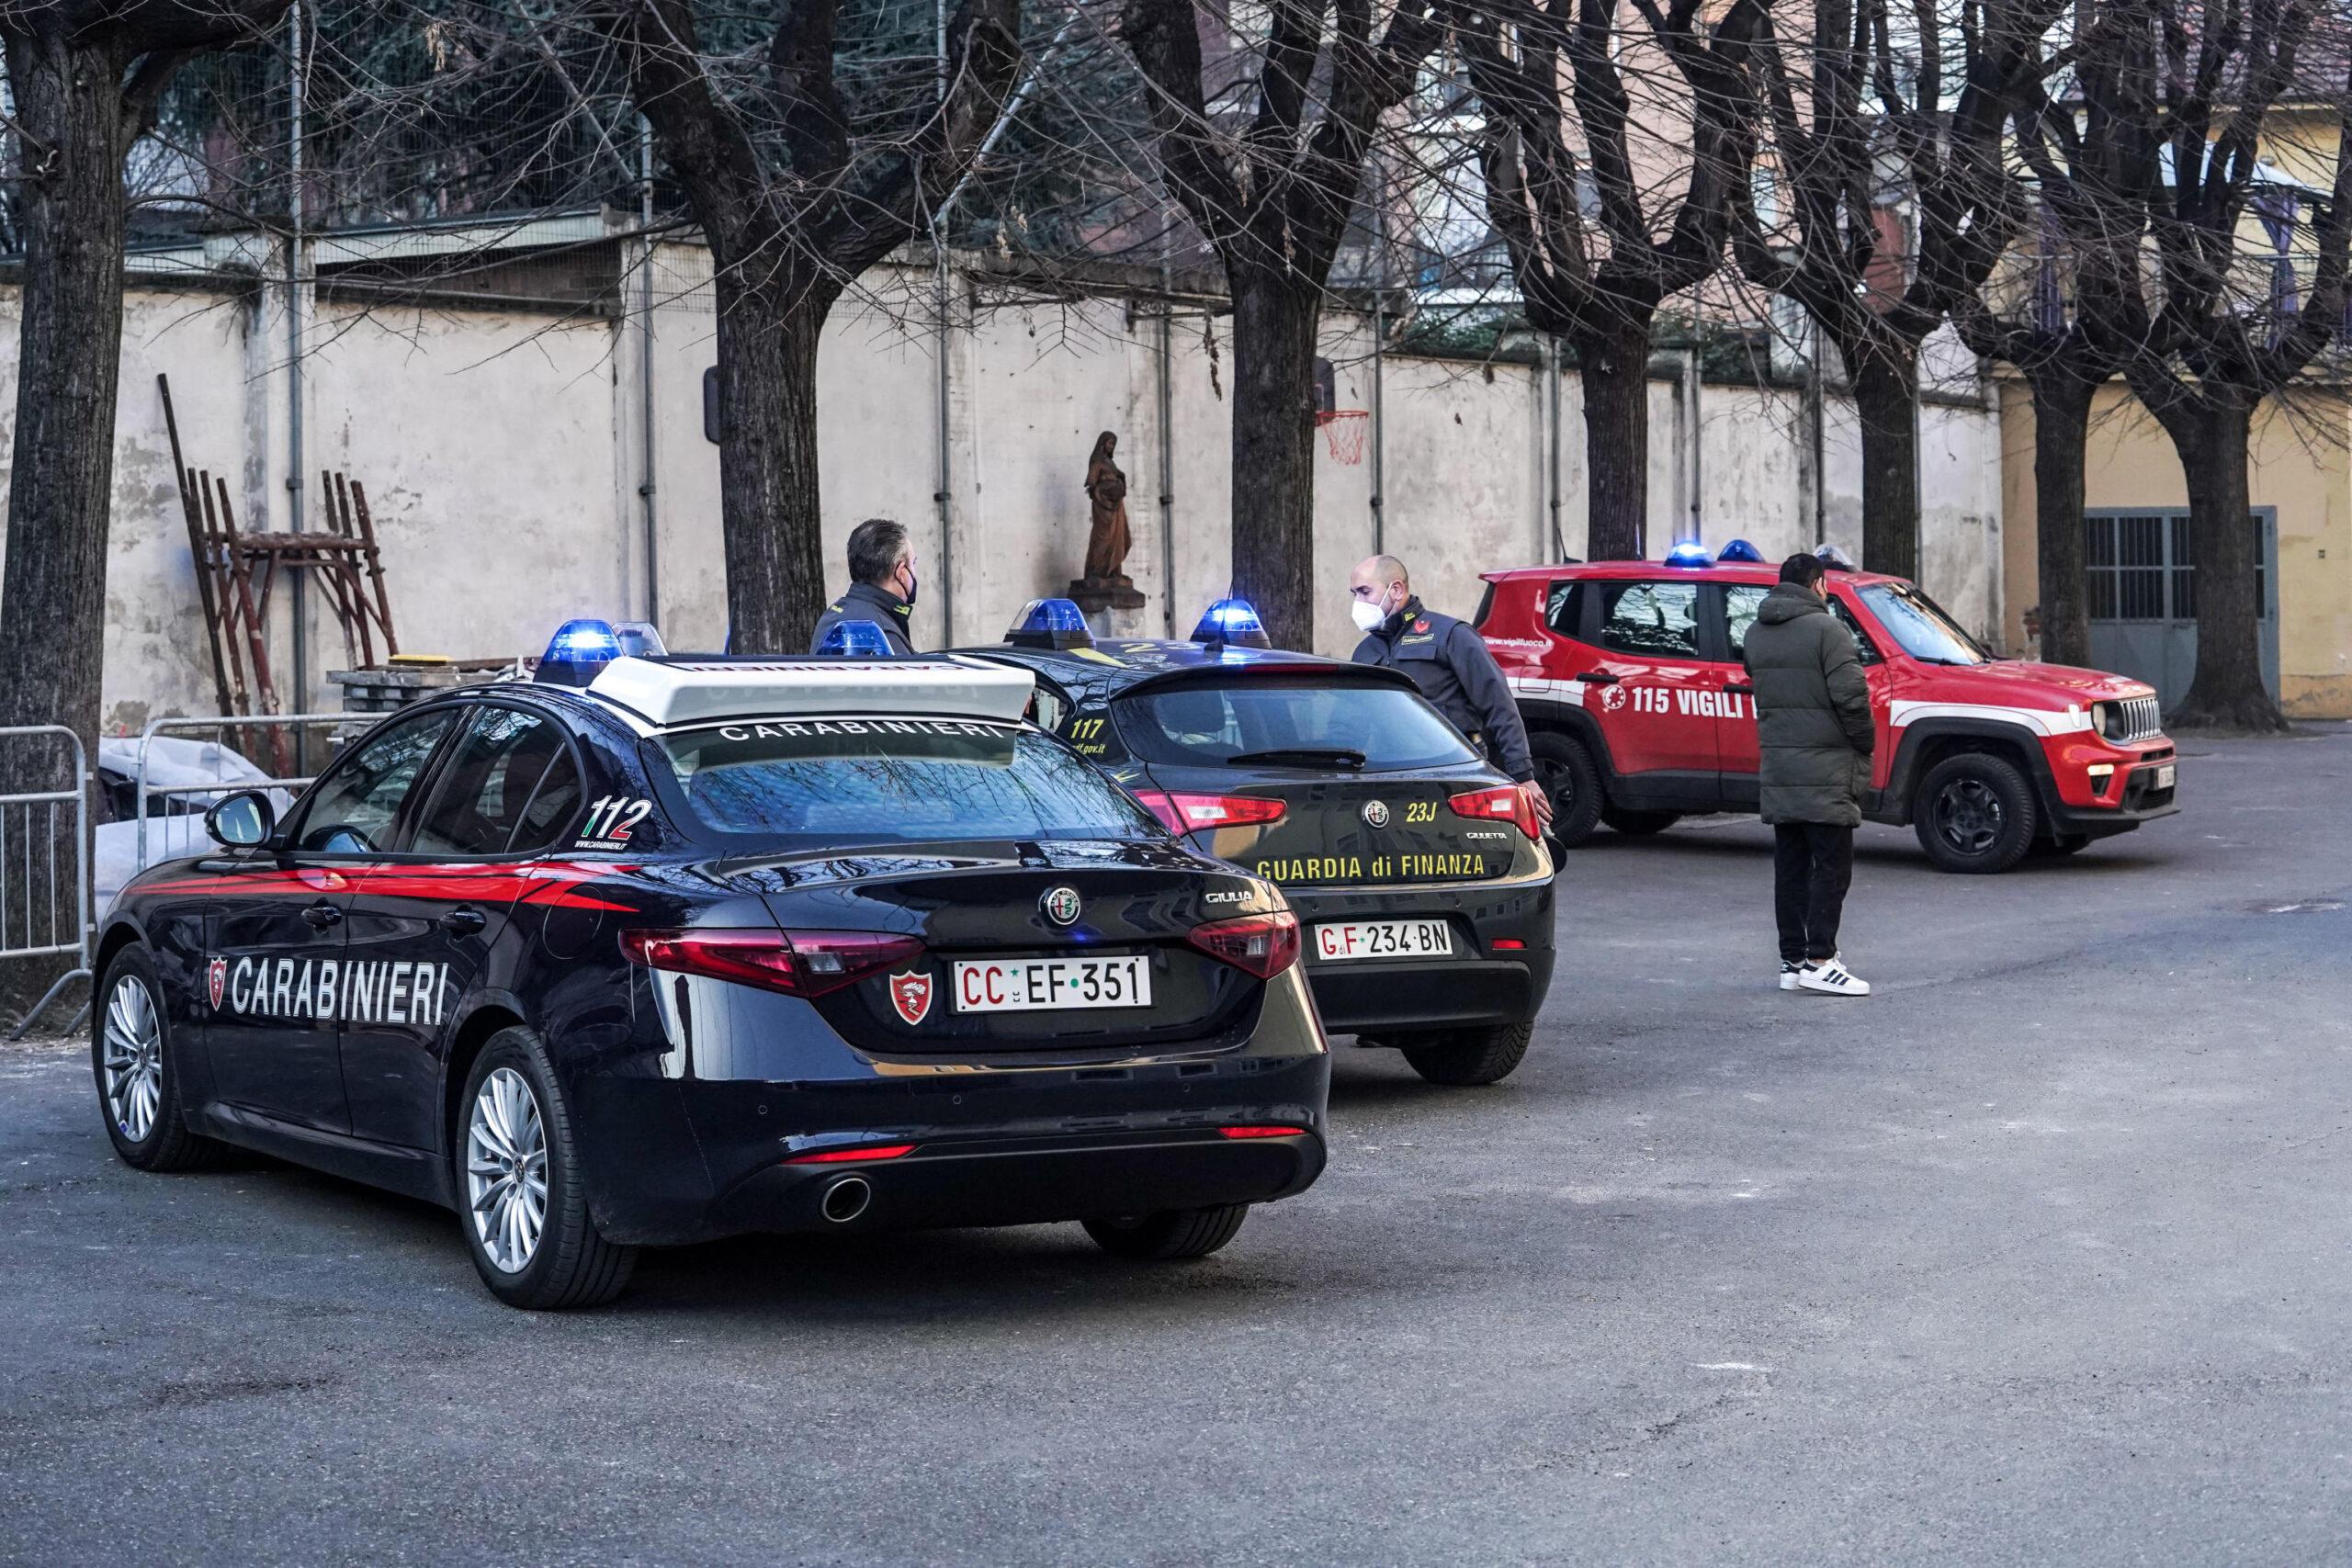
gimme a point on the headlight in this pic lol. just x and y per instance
(2107, 719)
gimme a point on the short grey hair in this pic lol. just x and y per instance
(875, 547)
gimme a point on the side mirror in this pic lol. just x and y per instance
(242, 821)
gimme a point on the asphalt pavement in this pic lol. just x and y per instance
(2037, 1255)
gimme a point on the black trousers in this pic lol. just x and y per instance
(1813, 865)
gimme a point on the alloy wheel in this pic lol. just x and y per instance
(506, 1169)
(133, 1059)
(1969, 815)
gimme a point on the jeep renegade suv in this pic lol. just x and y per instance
(1639, 711)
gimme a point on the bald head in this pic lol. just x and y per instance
(1381, 580)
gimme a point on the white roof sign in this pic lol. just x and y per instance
(675, 691)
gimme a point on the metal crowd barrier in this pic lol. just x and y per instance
(169, 834)
(46, 917)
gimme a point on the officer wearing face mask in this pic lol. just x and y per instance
(882, 585)
(1448, 661)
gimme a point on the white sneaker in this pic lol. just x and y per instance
(1789, 974)
(1831, 978)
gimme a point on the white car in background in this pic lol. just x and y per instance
(175, 821)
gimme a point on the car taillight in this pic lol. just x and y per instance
(1181, 813)
(1265, 945)
(798, 964)
(1261, 1132)
(1506, 803)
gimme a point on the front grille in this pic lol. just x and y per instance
(2140, 719)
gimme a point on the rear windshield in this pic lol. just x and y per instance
(818, 782)
(1277, 723)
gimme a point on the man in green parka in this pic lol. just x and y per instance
(1812, 726)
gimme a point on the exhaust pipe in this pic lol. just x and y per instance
(845, 1200)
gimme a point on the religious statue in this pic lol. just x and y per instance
(1107, 541)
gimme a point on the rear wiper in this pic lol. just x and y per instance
(1299, 757)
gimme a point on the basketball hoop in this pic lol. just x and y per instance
(1345, 431)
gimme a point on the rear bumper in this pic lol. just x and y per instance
(682, 1160)
(1364, 999)
(1015, 1181)
(1483, 984)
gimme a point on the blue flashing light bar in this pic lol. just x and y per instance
(578, 650)
(856, 639)
(1834, 558)
(1051, 623)
(582, 642)
(1741, 550)
(1690, 553)
(1231, 623)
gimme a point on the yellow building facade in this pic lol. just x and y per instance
(2299, 477)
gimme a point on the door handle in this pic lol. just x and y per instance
(463, 922)
(1598, 678)
(1739, 688)
(322, 915)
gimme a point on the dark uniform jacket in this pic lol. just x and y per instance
(864, 602)
(1813, 711)
(1449, 661)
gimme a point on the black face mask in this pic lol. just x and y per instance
(911, 585)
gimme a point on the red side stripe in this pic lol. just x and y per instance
(550, 887)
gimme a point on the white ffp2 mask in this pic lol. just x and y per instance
(1368, 616)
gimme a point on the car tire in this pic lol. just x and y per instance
(1564, 766)
(1976, 814)
(1639, 824)
(512, 1117)
(1465, 1058)
(1169, 1234)
(137, 1064)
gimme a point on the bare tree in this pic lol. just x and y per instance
(800, 179)
(2187, 89)
(1599, 282)
(1272, 186)
(2068, 325)
(1859, 124)
(84, 77)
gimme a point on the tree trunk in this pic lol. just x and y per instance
(2062, 413)
(1614, 366)
(1274, 321)
(1886, 401)
(69, 101)
(2227, 692)
(53, 578)
(771, 505)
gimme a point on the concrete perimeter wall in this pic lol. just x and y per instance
(504, 452)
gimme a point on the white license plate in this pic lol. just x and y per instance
(1338, 939)
(1045, 985)
(2164, 775)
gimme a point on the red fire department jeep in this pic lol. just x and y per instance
(1639, 711)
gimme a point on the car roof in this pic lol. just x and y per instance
(1722, 572)
(1117, 665)
(646, 696)
(667, 693)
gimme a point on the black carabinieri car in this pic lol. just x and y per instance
(1415, 867)
(716, 946)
